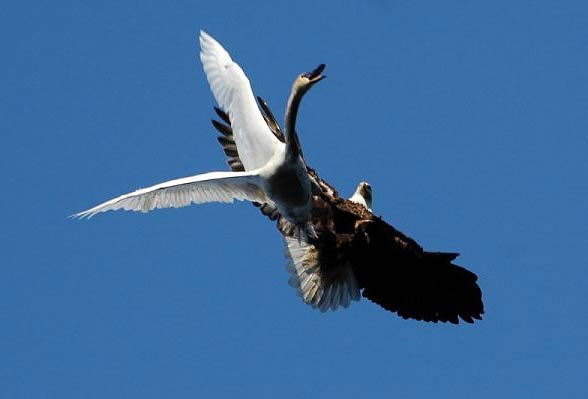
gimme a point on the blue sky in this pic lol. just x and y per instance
(470, 122)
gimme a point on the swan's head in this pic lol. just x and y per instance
(306, 80)
(363, 195)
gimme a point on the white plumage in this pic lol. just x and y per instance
(363, 195)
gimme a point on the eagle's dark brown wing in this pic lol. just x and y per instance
(391, 269)
(397, 274)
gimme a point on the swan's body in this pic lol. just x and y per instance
(275, 174)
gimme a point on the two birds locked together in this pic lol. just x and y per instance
(337, 249)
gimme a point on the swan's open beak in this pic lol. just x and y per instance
(315, 76)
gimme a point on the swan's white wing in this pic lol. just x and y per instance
(232, 91)
(207, 187)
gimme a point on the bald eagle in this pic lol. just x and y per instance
(357, 253)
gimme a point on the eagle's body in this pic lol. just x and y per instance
(356, 252)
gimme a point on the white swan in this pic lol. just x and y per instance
(291, 189)
(281, 180)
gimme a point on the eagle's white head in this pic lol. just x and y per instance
(363, 195)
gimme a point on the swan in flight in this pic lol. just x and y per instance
(358, 254)
(258, 145)
(278, 178)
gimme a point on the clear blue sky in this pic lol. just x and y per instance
(470, 122)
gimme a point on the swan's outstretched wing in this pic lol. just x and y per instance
(233, 93)
(207, 187)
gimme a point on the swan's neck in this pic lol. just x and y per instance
(292, 144)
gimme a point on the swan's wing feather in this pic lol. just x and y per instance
(207, 187)
(233, 93)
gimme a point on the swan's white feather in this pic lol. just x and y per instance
(207, 187)
(234, 95)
